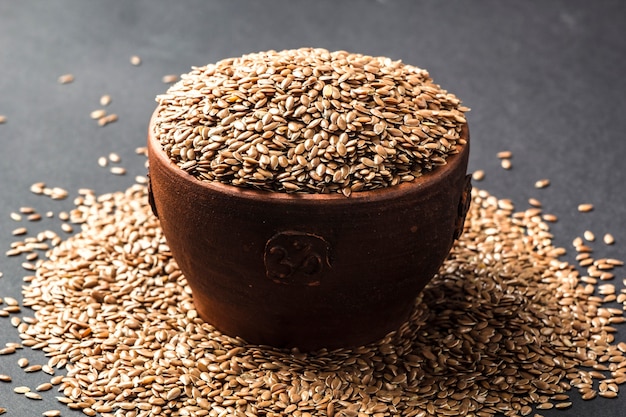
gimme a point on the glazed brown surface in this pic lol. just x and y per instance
(308, 270)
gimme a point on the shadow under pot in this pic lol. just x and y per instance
(308, 270)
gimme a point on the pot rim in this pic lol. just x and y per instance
(426, 180)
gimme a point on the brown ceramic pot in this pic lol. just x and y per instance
(308, 270)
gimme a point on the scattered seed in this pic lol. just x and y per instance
(98, 114)
(478, 175)
(506, 164)
(32, 395)
(543, 183)
(118, 170)
(67, 228)
(66, 79)
(608, 239)
(19, 231)
(505, 154)
(3, 119)
(21, 390)
(105, 120)
(3, 410)
(32, 368)
(44, 387)
(550, 217)
(64, 400)
(135, 60)
(141, 179)
(170, 78)
(5, 378)
(16, 217)
(113, 157)
(534, 202)
(37, 188)
(22, 362)
(51, 413)
(105, 100)
(56, 380)
(10, 301)
(56, 193)
(34, 217)
(584, 208)
(589, 236)
(589, 394)
(103, 161)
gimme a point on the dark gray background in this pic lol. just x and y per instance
(544, 79)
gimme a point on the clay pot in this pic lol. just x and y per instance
(308, 270)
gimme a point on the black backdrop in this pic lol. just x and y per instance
(544, 79)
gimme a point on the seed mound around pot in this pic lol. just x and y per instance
(308, 120)
(505, 328)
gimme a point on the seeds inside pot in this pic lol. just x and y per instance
(309, 120)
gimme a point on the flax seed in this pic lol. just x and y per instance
(33, 368)
(32, 395)
(105, 100)
(549, 217)
(98, 114)
(19, 231)
(105, 120)
(44, 387)
(170, 78)
(478, 175)
(589, 236)
(543, 183)
(65, 79)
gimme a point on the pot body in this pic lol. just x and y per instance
(308, 270)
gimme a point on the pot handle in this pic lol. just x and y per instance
(463, 208)
(151, 197)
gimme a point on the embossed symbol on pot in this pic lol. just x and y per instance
(296, 258)
(464, 204)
